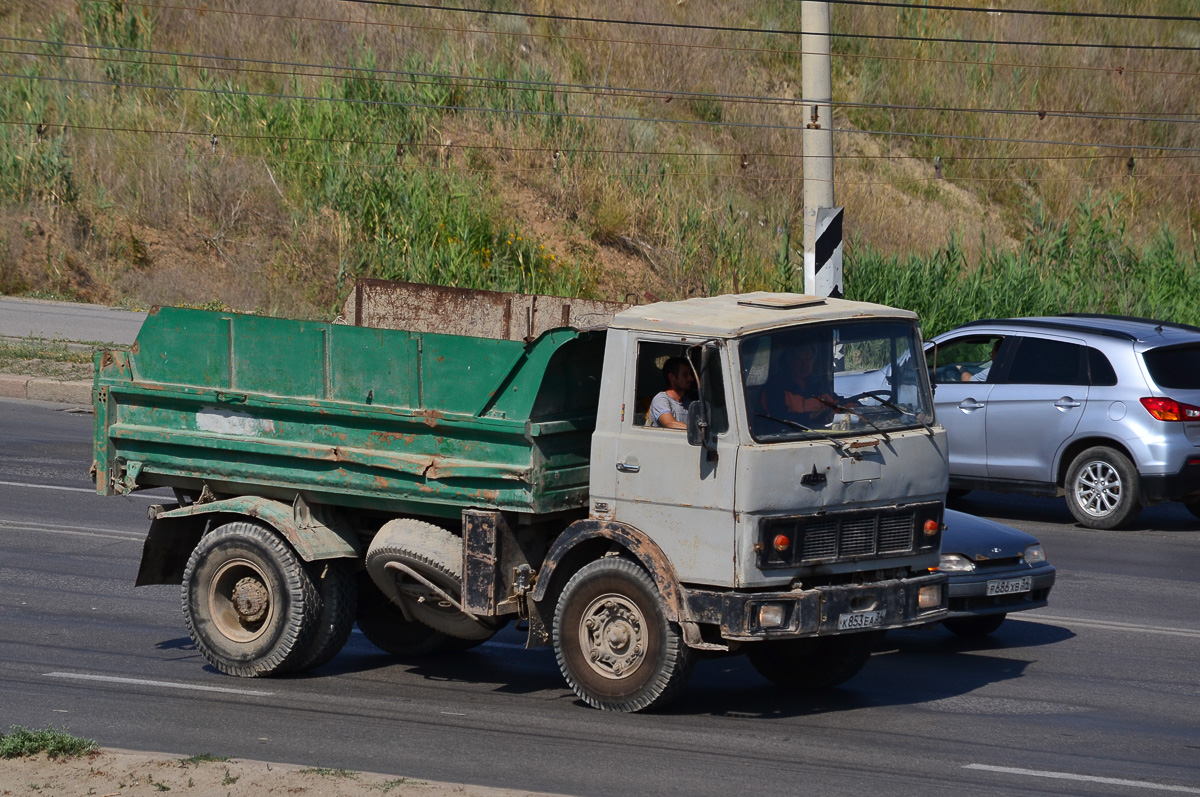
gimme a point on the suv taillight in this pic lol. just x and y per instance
(1166, 409)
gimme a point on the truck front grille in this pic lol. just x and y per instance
(847, 536)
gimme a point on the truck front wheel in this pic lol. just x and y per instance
(613, 641)
(250, 604)
(810, 664)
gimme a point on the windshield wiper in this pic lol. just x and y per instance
(891, 405)
(796, 425)
(856, 414)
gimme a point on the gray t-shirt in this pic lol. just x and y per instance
(663, 403)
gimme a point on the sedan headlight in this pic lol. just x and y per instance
(955, 563)
(1034, 555)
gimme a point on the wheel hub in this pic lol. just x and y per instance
(612, 634)
(250, 599)
(239, 600)
(1098, 489)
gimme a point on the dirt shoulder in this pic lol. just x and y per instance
(121, 773)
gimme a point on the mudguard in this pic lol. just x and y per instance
(315, 532)
(632, 540)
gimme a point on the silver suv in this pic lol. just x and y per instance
(1103, 409)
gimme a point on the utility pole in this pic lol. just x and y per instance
(822, 221)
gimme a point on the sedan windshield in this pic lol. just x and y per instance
(835, 380)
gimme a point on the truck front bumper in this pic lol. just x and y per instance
(821, 611)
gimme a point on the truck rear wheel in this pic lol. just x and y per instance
(800, 665)
(249, 602)
(335, 582)
(385, 626)
(613, 641)
(435, 555)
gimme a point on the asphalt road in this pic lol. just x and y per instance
(23, 318)
(1099, 694)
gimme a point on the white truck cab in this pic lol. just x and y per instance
(819, 464)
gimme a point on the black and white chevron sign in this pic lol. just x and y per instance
(827, 271)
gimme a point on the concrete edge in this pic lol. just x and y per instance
(41, 388)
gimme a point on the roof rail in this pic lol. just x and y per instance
(1052, 322)
(1134, 319)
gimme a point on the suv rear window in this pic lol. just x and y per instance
(1175, 367)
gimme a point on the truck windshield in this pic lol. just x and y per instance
(834, 380)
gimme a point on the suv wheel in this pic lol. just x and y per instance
(1102, 489)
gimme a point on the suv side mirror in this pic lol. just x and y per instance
(697, 424)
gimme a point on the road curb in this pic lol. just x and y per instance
(40, 388)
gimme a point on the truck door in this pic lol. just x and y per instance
(679, 494)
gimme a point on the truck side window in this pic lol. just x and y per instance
(649, 381)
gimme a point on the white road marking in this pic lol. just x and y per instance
(163, 684)
(78, 531)
(1137, 784)
(80, 490)
(1111, 625)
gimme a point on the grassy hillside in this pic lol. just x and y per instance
(263, 155)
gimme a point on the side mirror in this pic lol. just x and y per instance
(697, 424)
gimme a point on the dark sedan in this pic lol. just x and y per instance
(994, 569)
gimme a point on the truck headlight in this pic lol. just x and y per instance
(929, 597)
(1035, 555)
(955, 563)
(772, 615)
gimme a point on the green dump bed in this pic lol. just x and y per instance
(386, 419)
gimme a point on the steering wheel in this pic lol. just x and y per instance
(875, 394)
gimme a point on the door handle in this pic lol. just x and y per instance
(626, 468)
(970, 405)
(1066, 403)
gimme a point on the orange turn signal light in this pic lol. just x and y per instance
(782, 542)
(931, 527)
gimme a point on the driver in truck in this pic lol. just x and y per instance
(667, 409)
(800, 392)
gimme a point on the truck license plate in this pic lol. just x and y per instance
(847, 622)
(1010, 586)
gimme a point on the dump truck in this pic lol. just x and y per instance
(438, 463)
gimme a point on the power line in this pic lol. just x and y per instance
(369, 73)
(396, 104)
(573, 151)
(1014, 11)
(788, 32)
(610, 117)
(992, 140)
(724, 48)
(733, 29)
(661, 173)
(1014, 43)
(508, 84)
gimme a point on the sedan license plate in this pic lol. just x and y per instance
(1010, 586)
(855, 620)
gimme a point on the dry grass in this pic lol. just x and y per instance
(628, 204)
